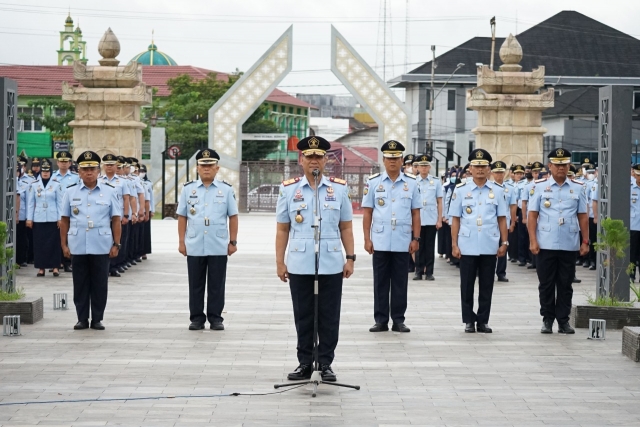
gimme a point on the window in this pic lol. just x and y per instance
(451, 100)
(636, 100)
(31, 125)
(60, 112)
(450, 151)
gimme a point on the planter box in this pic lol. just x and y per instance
(616, 317)
(30, 310)
(631, 343)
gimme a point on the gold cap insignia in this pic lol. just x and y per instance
(586, 160)
(479, 155)
(393, 145)
(314, 142)
(206, 154)
(560, 152)
(87, 155)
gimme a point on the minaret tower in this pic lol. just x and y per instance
(72, 48)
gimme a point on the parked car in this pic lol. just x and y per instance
(263, 198)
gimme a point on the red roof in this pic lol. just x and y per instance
(46, 80)
(356, 156)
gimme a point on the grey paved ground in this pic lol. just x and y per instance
(436, 375)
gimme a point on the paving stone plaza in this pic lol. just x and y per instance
(435, 375)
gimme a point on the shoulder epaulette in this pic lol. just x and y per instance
(227, 183)
(290, 181)
(499, 185)
(187, 183)
(410, 175)
(538, 181)
(54, 180)
(374, 175)
(461, 184)
(338, 180)
(72, 185)
(577, 182)
(106, 183)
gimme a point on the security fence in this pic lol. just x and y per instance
(260, 182)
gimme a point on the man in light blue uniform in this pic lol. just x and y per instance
(536, 168)
(90, 231)
(478, 234)
(109, 163)
(204, 207)
(557, 211)
(431, 194)
(296, 219)
(634, 247)
(498, 170)
(591, 187)
(391, 224)
(66, 178)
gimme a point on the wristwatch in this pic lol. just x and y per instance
(585, 242)
(506, 243)
(352, 257)
(117, 245)
(233, 242)
(417, 239)
(126, 216)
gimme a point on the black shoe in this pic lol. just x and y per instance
(522, 264)
(578, 262)
(134, 263)
(576, 280)
(82, 324)
(51, 270)
(128, 266)
(429, 277)
(514, 260)
(98, 326)
(400, 327)
(470, 328)
(40, 274)
(216, 326)
(484, 328)
(502, 279)
(67, 269)
(138, 260)
(24, 264)
(565, 328)
(417, 276)
(586, 264)
(196, 326)
(302, 372)
(121, 270)
(327, 373)
(531, 267)
(592, 267)
(379, 327)
(547, 327)
(114, 274)
(56, 274)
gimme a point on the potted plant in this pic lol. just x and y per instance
(614, 240)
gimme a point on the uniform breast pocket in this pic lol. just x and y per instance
(464, 231)
(75, 207)
(104, 231)
(331, 212)
(544, 227)
(406, 201)
(297, 245)
(220, 205)
(298, 212)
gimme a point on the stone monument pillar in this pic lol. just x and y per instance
(509, 109)
(107, 118)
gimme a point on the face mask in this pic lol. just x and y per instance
(463, 180)
(453, 179)
(591, 176)
(528, 175)
(142, 174)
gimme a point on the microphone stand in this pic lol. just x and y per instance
(316, 374)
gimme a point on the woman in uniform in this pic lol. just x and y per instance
(44, 200)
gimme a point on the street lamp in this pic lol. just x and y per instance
(153, 121)
(433, 98)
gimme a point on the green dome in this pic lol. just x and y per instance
(152, 56)
(69, 21)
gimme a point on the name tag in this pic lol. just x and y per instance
(77, 200)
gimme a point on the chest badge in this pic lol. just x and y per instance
(76, 211)
(468, 210)
(299, 217)
(547, 204)
(406, 187)
(431, 182)
(491, 195)
(381, 202)
(193, 191)
(192, 211)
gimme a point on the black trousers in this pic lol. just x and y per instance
(442, 239)
(209, 271)
(556, 270)
(133, 242)
(634, 250)
(427, 251)
(483, 267)
(523, 242)
(90, 276)
(329, 302)
(140, 248)
(22, 242)
(123, 254)
(390, 278)
(30, 255)
(501, 266)
(593, 238)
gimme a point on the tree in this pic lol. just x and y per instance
(57, 124)
(187, 115)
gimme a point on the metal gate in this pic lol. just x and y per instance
(260, 182)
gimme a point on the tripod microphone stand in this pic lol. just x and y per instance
(316, 374)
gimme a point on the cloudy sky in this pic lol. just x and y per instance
(225, 35)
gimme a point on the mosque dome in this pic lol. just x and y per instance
(69, 21)
(152, 56)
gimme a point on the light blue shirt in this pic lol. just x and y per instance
(207, 210)
(430, 191)
(392, 202)
(22, 190)
(67, 179)
(120, 185)
(90, 213)
(148, 186)
(558, 207)
(44, 204)
(635, 206)
(511, 197)
(523, 191)
(296, 204)
(478, 209)
(591, 191)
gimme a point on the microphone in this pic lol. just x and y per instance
(316, 172)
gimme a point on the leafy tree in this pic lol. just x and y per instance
(57, 125)
(187, 115)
